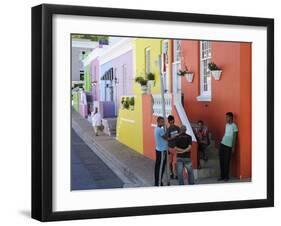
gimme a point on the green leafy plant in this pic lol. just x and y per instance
(213, 67)
(126, 103)
(122, 100)
(141, 80)
(132, 101)
(183, 72)
(138, 79)
(150, 76)
(94, 38)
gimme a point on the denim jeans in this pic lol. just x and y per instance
(185, 162)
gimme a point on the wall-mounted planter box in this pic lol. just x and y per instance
(144, 89)
(216, 74)
(151, 83)
(189, 76)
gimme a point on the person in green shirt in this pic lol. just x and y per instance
(227, 146)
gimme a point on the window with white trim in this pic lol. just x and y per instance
(147, 60)
(165, 47)
(124, 75)
(205, 75)
(177, 50)
(165, 50)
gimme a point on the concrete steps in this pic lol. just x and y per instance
(210, 168)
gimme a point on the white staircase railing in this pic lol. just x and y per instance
(178, 103)
(157, 104)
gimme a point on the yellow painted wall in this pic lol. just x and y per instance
(129, 126)
(130, 122)
(140, 46)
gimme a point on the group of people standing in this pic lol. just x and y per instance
(177, 144)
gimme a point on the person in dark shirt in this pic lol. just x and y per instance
(172, 132)
(202, 135)
(183, 148)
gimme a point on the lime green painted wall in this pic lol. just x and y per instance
(76, 101)
(87, 79)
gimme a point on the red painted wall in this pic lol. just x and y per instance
(231, 93)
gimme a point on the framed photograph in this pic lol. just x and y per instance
(145, 112)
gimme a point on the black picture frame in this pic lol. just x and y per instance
(42, 111)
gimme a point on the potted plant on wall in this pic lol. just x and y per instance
(215, 70)
(150, 79)
(132, 103)
(122, 102)
(187, 74)
(143, 83)
(126, 103)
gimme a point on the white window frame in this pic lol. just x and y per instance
(177, 58)
(205, 75)
(147, 60)
(165, 49)
(124, 80)
(177, 51)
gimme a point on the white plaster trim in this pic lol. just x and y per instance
(204, 98)
(128, 120)
(116, 50)
(108, 53)
(94, 54)
(79, 43)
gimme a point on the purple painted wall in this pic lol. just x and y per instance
(107, 109)
(122, 69)
(94, 70)
(123, 66)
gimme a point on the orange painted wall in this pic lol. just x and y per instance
(231, 93)
(245, 120)
(148, 130)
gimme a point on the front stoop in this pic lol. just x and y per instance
(210, 168)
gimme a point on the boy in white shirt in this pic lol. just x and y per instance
(96, 121)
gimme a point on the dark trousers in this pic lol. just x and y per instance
(201, 150)
(161, 158)
(225, 156)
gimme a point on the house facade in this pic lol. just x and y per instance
(111, 74)
(80, 49)
(148, 106)
(208, 99)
